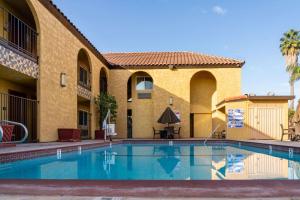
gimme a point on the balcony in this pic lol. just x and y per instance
(18, 36)
(84, 91)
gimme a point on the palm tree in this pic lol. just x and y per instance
(290, 48)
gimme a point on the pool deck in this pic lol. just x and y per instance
(276, 142)
(47, 145)
(56, 145)
(128, 189)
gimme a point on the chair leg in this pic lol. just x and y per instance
(281, 137)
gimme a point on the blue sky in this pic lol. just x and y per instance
(243, 29)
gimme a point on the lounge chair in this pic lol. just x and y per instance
(287, 131)
(177, 132)
(155, 132)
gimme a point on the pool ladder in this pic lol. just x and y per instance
(210, 135)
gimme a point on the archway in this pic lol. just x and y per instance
(139, 105)
(83, 99)
(103, 81)
(203, 87)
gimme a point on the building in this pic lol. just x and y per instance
(50, 74)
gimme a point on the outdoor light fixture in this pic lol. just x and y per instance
(171, 67)
(171, 101)
(63, 79)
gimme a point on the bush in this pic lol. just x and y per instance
(291, 114)
(104, 103)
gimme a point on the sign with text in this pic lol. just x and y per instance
(235, 118)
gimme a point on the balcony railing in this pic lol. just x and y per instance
(85, 85)
(22, 110)
(17, 35)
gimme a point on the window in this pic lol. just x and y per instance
(83, 76)
(129, 90)
(144, 83)
(83, 118)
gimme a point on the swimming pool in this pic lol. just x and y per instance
(169, 161)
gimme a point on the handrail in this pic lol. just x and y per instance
(18, 124)
(1, 133)
(105, 124)
(211, 133)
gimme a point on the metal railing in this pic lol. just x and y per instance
(211, 134)
(18, 35)
(85, 85)
(21, 110)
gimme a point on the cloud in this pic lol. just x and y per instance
(219, 10)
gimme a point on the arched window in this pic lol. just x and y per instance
(103, 81)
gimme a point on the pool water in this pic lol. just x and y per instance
(159, 162)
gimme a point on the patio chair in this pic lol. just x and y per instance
(177, 132)
(7, 132)
(287, 131)
(155, 132)
(219, 134)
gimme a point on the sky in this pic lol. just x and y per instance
(244, 29)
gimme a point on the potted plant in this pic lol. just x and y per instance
(105, 102)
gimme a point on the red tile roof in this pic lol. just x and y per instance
(167, 58)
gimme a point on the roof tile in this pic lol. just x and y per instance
(167, 58)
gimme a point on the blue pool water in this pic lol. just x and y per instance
(159, 162)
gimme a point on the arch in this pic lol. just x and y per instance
(139, 105)
(203, 87)
(23, 26)
(84, 70)
(103, 80)
(132, 81)
(83, 59)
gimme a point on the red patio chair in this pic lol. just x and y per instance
(7, 132)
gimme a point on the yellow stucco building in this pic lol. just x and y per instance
(50, 74)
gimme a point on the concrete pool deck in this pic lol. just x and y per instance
(153, 188)
(47, 145)
(27, 147)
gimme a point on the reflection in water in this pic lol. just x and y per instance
(109, 160)
(168, 160)
(159, 162)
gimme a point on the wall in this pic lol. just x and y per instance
(169, 83)
(6, 85)
(58, 53)
(265, 127)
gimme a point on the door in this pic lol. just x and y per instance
(191, 125)
(129, 123)
(265, 122)
(83, 124)
(202, 124)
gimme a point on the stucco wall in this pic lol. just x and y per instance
(169, 83)
(58, 51)
(260, 125)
